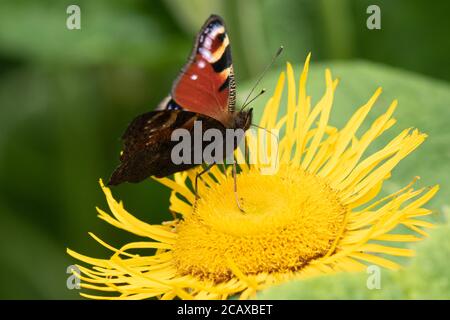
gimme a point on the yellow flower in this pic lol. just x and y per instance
(315, 215)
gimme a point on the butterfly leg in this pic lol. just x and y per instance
(224, 167)
(236, 196)
(198, 176)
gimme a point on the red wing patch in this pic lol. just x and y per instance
(206, 84)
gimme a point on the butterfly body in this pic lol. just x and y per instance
(204, 91)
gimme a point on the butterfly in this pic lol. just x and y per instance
(205, 91)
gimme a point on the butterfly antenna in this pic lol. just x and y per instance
(280, 49)
(254, 98)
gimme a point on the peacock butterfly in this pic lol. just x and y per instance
(204, 91)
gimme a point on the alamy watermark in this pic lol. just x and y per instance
(73, 21)
(374, 279)
(73, 281)
(374, 20)
(215, 146)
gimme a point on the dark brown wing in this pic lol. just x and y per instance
(148, 145)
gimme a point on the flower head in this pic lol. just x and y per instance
(317, 214)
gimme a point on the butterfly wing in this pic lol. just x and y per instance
(204, 90)
(206, 83)
(148, 145)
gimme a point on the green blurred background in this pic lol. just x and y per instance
(67, 95)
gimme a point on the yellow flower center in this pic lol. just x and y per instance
(290, 218)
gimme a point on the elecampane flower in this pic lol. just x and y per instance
(315, 215)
